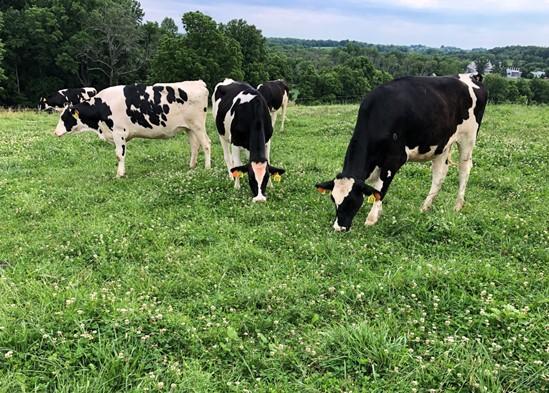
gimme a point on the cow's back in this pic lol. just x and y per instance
(422, 110)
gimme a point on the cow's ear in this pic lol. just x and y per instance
(239, 171)
(369, 191)
(276, 171)
(325, 187)
(478, 77)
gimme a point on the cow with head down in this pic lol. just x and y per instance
(59, 100)
(408, 119)
(243, 121)
(121, 113)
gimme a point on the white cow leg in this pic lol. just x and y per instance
(195, 145)
(439, 171)
(465, 165)
(120, 142)
(227, 155)
(268, 157)
(284, 108)
(236, 162)
(206, 144)
(375, 213)
(274, 114)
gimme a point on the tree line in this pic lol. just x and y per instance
(46, 45)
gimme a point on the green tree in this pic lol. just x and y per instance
(540, 90)
(252, 46)
(204, 52)
(114, 40)
(497, 87)
(168, 26)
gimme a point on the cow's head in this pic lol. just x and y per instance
(347, 194)
(70, 121)
(258, 176)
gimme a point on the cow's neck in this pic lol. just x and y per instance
(356, 164)
(257, 146)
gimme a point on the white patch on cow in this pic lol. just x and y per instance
(243, 97)
(338, 228)
(259, 169)
(342, 188)
(388, 173)
(259, 86)
(468, 129)
(415, 155)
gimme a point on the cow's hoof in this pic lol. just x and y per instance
(259, 199)
(459, 205)
(370, 221)
(425, 207)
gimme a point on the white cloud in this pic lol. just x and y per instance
(339, 24)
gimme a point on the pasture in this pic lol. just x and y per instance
(171, 280)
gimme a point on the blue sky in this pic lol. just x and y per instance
(462, 23)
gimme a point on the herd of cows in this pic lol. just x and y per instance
(407, 119)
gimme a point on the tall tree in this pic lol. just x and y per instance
(254, 54)
(204, 52)
(113, 47)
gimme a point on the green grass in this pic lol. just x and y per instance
(171, 280)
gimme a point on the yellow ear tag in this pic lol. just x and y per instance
(371, 199)
(277, 177)
(76, 115)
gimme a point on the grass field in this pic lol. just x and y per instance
(171, 280)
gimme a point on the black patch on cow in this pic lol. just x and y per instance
(205, 109)
(147, 111)
(90, 113)
(69, 121)
(273, 92)
(65, 97)
(123, 150)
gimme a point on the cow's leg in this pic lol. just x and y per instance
(284, 108)
(465, 165)
(439, 170)
(120, 142)
(268, 157)
(236, 162)
(204, 141)
(274, 114)
(384, 178)
(227, 155)
(195, 145)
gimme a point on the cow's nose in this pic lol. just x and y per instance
(338, 228)
(260, 198)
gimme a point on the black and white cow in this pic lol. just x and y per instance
(121, 113)
(276, 94)
(63, 98)
(243, 122)
(408, 119)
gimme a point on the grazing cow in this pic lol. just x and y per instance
(243, 122)
(121, 113)
(61, 99)
(408, 119)
(276, 94)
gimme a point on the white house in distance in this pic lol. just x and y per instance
(513, 73)
(538, 74)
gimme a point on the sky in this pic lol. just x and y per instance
(462, 23)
